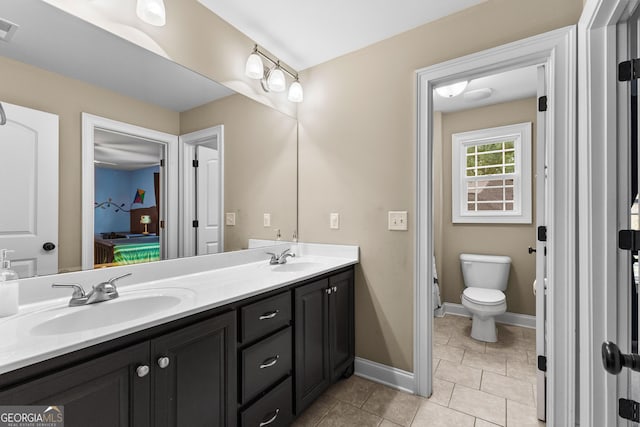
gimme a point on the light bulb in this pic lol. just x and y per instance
(295, 92)
(276, 80)
(152, 12)
(449, 91)
(254, 68)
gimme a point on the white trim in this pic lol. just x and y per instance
(508, 318)
(383, 374)
(521, 214)
(603, 131)
(555, 49)
(169, 239)
(187, 147)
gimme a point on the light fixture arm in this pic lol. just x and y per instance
(293, 74)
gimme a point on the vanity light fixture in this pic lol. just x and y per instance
(272, 79)
(455, 89)
(152, 12)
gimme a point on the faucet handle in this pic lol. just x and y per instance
(284, 252)
(113, 279)
(78, 291)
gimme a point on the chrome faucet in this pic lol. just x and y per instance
(280, 259)
(103, 291)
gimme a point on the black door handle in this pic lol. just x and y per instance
(531, 250)
(613, 360)
(48, 246)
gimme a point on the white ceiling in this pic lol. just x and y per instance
(124, 152)
(304, 33)
(508, 86)
(54, 40)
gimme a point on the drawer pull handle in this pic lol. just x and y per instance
(270, 420)
(163, 362)
(270, 315)
(271, 361)
(142, 371)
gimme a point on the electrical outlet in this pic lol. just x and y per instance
(334, 221)
(230, 218)
(398, 220)
(267, 220)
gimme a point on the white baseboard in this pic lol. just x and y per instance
(524, 320)
(387, 375)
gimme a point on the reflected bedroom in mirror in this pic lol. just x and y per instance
(112, 154)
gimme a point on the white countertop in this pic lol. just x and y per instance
(21, 345)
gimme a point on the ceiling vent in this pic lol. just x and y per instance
(7, 30)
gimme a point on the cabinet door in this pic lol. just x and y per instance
(104, 392)
(311, 342)
(195, 374)
(341, 324)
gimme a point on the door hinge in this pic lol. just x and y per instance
(542, 103)
(195, 163)
(629, 410)
(162, 223)
(542, 363)
(161, 163)
(542, 233)
(629, 240)
(195, 223)
(629, 70)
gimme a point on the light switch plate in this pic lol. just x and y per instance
(398, 220)
(334, 221)
(230, 218)
(267, 220)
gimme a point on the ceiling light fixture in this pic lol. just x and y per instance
(152, 12)
(272, 79)
(449, 91)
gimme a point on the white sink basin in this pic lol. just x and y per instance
(127, 307)
(295, 266)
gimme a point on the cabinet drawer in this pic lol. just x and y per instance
(273, 410)
(264, 363)
(262, 317)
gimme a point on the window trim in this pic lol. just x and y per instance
(522, 213)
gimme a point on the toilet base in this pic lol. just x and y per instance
(484, 329)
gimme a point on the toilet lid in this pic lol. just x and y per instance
(484, 296)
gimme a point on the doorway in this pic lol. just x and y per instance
(110, 149)
(556, 51)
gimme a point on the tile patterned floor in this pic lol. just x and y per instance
(475, 384)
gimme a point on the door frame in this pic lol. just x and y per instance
(90, 122)
(604, 119)
(557, 50)
(186, 199)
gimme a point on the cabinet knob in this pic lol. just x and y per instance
(335, 289)
(163, 362)
(272, 419)
(328, 291)
(270, 362)
(142, 371)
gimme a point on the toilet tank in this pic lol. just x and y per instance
(485, 271)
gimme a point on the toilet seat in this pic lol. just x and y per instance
(484, 296)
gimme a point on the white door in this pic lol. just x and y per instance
(208, 201)
(29, 189)
(541, 249)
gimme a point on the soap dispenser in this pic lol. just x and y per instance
(8, 286)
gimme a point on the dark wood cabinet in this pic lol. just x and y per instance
(194, 375)
(341, 325)
(324, 335)
(186, 377)
(105, 392)
(249, 362)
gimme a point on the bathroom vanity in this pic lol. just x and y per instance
(253, 345)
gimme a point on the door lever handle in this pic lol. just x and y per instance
(614, 360)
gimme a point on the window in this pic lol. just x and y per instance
(491, 178)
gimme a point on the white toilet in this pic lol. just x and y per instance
(485, 279)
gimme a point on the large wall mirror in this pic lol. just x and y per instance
(112, 154)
